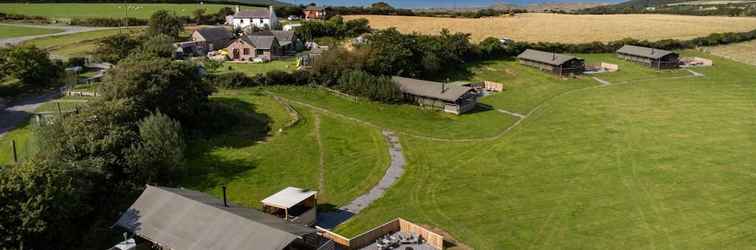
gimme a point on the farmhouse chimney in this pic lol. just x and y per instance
(225, 201)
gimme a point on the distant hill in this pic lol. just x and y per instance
(240, 2)
(680, 7)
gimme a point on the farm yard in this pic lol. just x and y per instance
(71, 10)
(8, 31)
(540, 27)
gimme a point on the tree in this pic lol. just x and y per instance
(381, 6)
(115, 48)
(177, 89)
(29, 64)
(160, 152)
(199, 16)
(163, 22)
(159, 45)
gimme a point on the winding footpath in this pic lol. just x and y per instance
(66, 31)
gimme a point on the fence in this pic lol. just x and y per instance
(397, 225)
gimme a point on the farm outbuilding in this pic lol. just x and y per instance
(451, 99)
(559, 64)
(654, 58)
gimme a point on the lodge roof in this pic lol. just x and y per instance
(549, 58)
(644, 52)
(288, 197)
(189, 220)
(431, 89)
(315, 8)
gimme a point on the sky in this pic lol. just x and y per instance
(435, 3)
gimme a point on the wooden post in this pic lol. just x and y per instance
(15, 155)
(60, 112)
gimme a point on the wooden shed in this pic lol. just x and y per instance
(449, 98)
(654, 58)
(293, 204)
(559, 64)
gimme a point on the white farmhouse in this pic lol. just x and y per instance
(260, 18)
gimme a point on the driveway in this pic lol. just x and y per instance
(66, 30)
(19, 111)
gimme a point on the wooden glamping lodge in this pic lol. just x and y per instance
(558, 64)
(451, 99)
(174, 218)
(654, 58)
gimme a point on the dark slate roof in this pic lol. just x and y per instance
(261, 41)
(283, 37)
(191, 220)
(215, 34)
(253, 13)
(545, 57)
(430, 89)
(644, 52)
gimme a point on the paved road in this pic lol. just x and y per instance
(393, 173)
(20, 110)
(66, 30)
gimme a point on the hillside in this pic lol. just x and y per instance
(240, 2)
(684, 7)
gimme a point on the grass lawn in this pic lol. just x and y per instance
(110, 10)
(8, 31)
(665, 164)
(252, 69)
(65, 105)
(254, 162)
(22, 136)
(73, 45)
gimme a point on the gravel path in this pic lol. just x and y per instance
(20, 110)
(393, 173)
(66, 30)
(321, 177)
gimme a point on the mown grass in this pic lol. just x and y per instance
(665, 164)
(109, 10)
(75, 45)
(252, 69)
(22, 136)
(8, 31)
(254, 163)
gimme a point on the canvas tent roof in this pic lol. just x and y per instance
(188, 220)
(644, 51)
(288, 197)
(254, 13)
(545, 57)
(430, 89)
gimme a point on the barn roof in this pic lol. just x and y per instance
(431, 89)
(215, 33)
(644, 51)
(189, 220)
(283, 37)
(253, 13)
(545, 57)
(261, 41)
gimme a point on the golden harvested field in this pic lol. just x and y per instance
(536, 27)
(742, 52)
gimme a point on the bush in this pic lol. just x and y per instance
(160, 152)
(376, 88)
(76, 61)
(230, 80)
(23, 18)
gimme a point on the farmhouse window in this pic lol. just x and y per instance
(246, 51)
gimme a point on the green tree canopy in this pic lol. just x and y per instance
(164, 22)
(29, 64)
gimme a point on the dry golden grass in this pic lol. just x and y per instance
(743, 52)
(537, 27)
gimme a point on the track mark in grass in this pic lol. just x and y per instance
(603, 82)
(321, 177)
(515, 114)
(694, 73)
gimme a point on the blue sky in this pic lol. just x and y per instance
(433, 3)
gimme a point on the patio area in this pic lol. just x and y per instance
(399, 241)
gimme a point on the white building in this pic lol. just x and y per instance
(260, 18)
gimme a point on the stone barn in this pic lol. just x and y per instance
(558, 64)
(651, 57)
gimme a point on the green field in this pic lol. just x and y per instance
(252, 69)
(254, 163)
(71, 10)
(8, 31)
(655, 160)
(75, 45)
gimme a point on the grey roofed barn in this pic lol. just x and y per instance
(431, 89)
(218, 36)
(284, 37)
(548, 58)
(644, 52)
(261, 41)
(185, 219)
